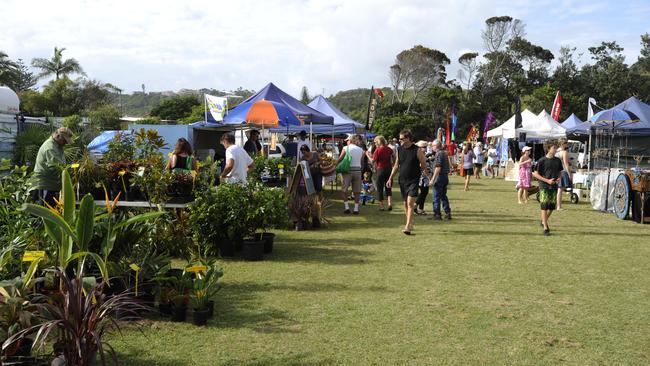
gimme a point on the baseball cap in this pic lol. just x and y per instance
(421, 143)
(526, 148)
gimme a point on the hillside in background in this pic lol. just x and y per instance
(140, 104)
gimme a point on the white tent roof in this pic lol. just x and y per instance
(9, 102)
(544, 127)
(507, 129)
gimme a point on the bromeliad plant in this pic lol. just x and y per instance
(205, 286)
(72, 229)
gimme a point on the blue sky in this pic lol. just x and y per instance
(331, 45)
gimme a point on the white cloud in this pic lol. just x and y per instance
(330, 44)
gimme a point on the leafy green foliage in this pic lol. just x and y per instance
(105, 117)
(175, 108)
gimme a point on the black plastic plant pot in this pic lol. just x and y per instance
(253, 250)
(268, 239)
(165, 309)
(210, 308)
(227, 248)
(200, 317)
(179, 313)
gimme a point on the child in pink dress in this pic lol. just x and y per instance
(525, 175)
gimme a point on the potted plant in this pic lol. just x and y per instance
(217, 217)
(252, 215)
(76, 320)
(204, 286)
(17, 314)
(180, 297)
(300, 209)
(89, 176)
(274, 214)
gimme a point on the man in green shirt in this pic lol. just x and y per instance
(46, 180)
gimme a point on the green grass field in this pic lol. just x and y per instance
(483, 289)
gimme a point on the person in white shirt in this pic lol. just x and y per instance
(302, 141)
(493, 160)
(478, 160)
(352, 177)
(238, 162)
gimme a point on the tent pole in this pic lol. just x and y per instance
(588, 150)
(609, 166)
(205, 107)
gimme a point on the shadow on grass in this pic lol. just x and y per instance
(302, 359)
(239, 305)
(137, 360)
(297, 252)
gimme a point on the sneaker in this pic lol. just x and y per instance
(448, 216)
(547, 232)
(417, 212)
(437, 217)
(347, 211)
(355, 212)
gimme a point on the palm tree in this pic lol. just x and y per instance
(57, 65)
(8, 69)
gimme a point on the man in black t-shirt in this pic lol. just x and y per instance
(548, 174)
(411, 162)
(253, 145)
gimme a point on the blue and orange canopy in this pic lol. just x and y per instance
(263, 113)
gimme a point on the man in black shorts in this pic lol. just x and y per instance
(411, 162)
(548, 174)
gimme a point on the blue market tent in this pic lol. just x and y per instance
(340, 119)
(274, 94)
(640, 128)
(342, 123)
(571, 122)
(99, 145)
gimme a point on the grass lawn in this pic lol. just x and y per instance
(483, 289)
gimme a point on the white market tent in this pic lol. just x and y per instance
(544, 127)
(507, 129)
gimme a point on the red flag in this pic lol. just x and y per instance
(557, 107)
(379, 93)
(448, 131)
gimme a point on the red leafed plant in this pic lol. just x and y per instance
(77, 318)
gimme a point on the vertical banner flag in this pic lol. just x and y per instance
(217, 106)
(448, 131)
(518, 119)
(372, 107)
(557, 106)
(590, 110)
(489, 121)
(454, 119)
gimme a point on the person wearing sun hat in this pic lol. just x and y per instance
(50, 160)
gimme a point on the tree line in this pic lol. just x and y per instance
(511, 68)
(508, 68)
